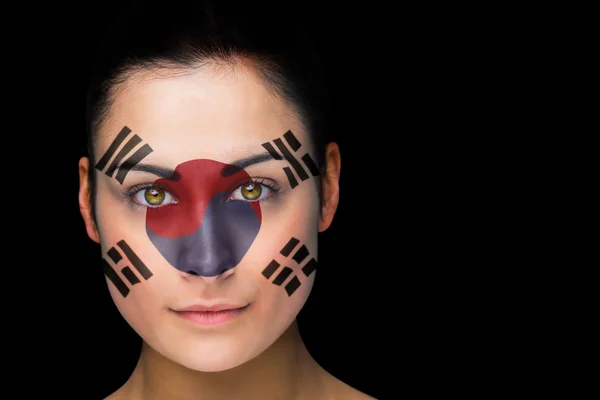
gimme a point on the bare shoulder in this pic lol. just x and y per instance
(339, 390)
(347, 392)
(118, 395)
(114, 396)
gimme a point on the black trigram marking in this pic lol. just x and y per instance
(271, 268)
(127, 272)
(294, 144)
(287, 249)
(130, 162)
(299, 256)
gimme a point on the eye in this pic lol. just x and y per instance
(253, 191)
(153, 196)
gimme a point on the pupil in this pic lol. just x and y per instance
(251, 191)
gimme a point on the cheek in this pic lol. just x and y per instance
(115, 218)
(146, 299)
(137, 276)
(283, 259)
(276, 309)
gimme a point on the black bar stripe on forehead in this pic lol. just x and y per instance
(291, 177)
(290, 158)
(269, 147)
(113, 148)
(310, 164)
(135, 260)
(111, 274)
(134, 141)
(132, 161)
(292, 141)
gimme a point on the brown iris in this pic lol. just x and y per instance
(154, 195)
(251, 191)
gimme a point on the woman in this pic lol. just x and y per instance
(208, 179)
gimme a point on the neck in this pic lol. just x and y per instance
(277, 373)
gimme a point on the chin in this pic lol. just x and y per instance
(213, 355)
(212, 364)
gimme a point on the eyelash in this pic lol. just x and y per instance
(271, 185)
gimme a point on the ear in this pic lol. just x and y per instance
(84, 200)
(330, 186)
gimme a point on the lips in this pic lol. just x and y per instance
(210, 308)
(207, 315)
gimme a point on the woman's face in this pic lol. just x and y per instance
(199, 213)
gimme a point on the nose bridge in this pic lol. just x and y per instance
(207, 235)
(208, 252)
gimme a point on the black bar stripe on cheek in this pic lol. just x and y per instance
(271, 268)
(132, 161)
(310, 164)
(292, 141)
(272, 151)
(291, 177)
(134, 141)
(290, 158)
(292, 285)
(131, 277)
(291, 244)
(283, 275)
(135, 260)
(114, 255)
(310, 267)
(111, 274)
(301, 254)
(112, 148)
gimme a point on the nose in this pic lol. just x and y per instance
(206, 258)
(224, 236)
(211, 279)
(213, 249)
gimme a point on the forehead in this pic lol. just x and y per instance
(202, 113)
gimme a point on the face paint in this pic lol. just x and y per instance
(205, 233)
(298, 257)
(127, 148)
(130, 255)
(295, 145)
(181, 212)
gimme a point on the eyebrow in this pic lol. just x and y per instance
(228, 170)
(245, 162)
(162, 172)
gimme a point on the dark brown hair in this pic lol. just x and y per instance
(178, 35)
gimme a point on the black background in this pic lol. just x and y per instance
(375, 318)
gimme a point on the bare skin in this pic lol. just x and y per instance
(204, 114)
(285, 371)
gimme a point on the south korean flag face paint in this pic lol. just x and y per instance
(206, 233)
(209, 195)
